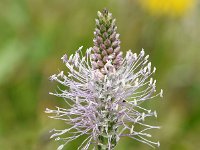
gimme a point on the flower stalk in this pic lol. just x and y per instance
(106, 49)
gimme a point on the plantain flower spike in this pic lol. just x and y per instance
(104, 92)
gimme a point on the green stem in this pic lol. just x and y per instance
(107, 139)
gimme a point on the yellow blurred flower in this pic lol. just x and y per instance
(167, 7)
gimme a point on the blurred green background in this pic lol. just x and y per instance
(34, 35)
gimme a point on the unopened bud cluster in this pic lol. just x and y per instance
(106, 42)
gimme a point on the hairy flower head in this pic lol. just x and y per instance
(105, 100)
